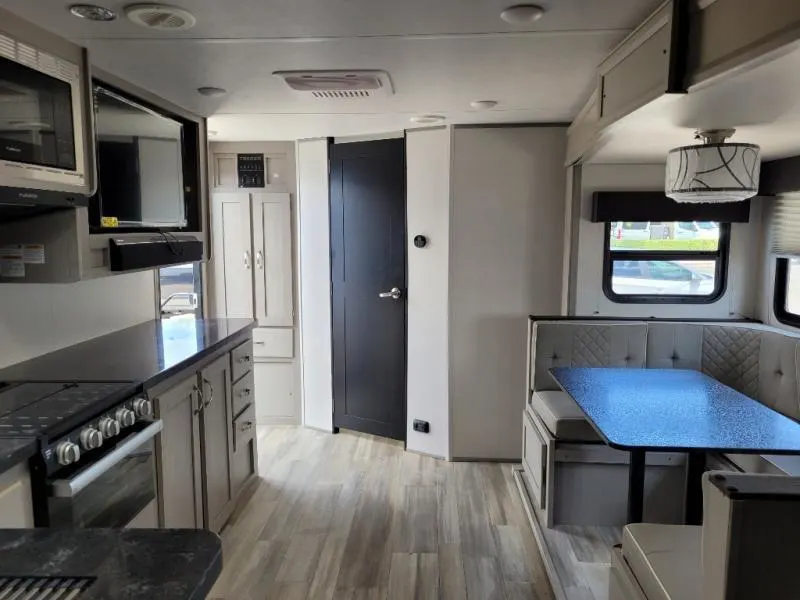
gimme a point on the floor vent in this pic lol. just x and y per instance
(44, 588)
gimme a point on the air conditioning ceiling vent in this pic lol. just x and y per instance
(160, 17)
(338, 85)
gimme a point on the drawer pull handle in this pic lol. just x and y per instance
(260, 343)
(245, 392)
(244, 359)
(246, 426)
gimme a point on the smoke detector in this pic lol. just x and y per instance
(338, 85)
(161, 17)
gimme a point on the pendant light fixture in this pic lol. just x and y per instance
(713, 171)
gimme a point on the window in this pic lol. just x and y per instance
(180, 289)
(666, 262)
(787, 291)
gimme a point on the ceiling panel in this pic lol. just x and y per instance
(440, 55)
(550, 75)
(344, 18)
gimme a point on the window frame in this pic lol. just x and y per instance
(779, 294)
(198, 289)
(720, 256)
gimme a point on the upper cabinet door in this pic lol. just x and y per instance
(272, 242)
(233, 260)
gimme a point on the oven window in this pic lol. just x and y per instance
(114, 498)
(36, 125)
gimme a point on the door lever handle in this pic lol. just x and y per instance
(395, 294)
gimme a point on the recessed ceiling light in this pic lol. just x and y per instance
(211, 92)
(483, 104)
(522, 14)
(92, 12)
(427, 119)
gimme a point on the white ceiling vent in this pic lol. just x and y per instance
(160, 17)
(338, 85)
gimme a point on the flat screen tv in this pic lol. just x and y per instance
(142, 167)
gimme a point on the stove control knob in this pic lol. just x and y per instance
(126, 417)
(109, 427)
(142, 407)
(67, 453)
(91, 438)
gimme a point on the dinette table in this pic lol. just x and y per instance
(674, 410)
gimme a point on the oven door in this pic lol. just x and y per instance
(111, 491)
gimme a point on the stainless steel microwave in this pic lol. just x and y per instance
(46, 147)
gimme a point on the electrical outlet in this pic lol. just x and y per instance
(422, 426)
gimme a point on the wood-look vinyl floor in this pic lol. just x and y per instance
(351, 516)
(579, 555)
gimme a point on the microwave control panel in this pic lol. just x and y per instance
(251, 170)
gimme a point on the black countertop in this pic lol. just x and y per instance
(130, 564)
(14, 450)
(147, 353)
(142, 356)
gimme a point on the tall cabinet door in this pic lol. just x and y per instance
(215, 382)
(272, 243)
(233, 255)
(178, 455)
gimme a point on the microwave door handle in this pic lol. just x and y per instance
(67, 488)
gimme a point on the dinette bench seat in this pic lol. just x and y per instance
(563, 456)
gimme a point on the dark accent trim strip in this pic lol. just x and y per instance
(779, 295)
(678, 48)
(780, 176)
(599, 318)
(655, 206)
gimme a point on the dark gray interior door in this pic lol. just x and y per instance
(368, 261)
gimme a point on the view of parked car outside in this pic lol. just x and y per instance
(665, 277)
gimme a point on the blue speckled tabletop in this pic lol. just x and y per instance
(675, 410)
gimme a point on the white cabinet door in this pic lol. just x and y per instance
(272, 242)
(276, 400)
(233, 255)
(16, 508)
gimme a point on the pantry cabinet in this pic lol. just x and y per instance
(252, 272)
(253, 257)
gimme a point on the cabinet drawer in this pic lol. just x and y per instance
(273, 343)
(241, 360)
(242, 393)
(244, 427)
(243, 466)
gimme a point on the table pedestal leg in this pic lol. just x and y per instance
(636, 471)
(693, 507)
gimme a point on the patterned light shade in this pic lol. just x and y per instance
(715, 172)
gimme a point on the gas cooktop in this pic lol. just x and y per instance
(49, 409)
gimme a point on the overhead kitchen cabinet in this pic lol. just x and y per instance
(252, 276)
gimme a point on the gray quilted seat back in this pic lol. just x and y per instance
(575, 344)
(759, 361)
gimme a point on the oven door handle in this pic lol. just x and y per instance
(67, 488)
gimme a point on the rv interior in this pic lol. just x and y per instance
(365, 299)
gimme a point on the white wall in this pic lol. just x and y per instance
(507, 230)
(739, 299)
(38, 318)
(315, 283)
(428, 214)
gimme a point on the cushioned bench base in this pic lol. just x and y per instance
(563, 417)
